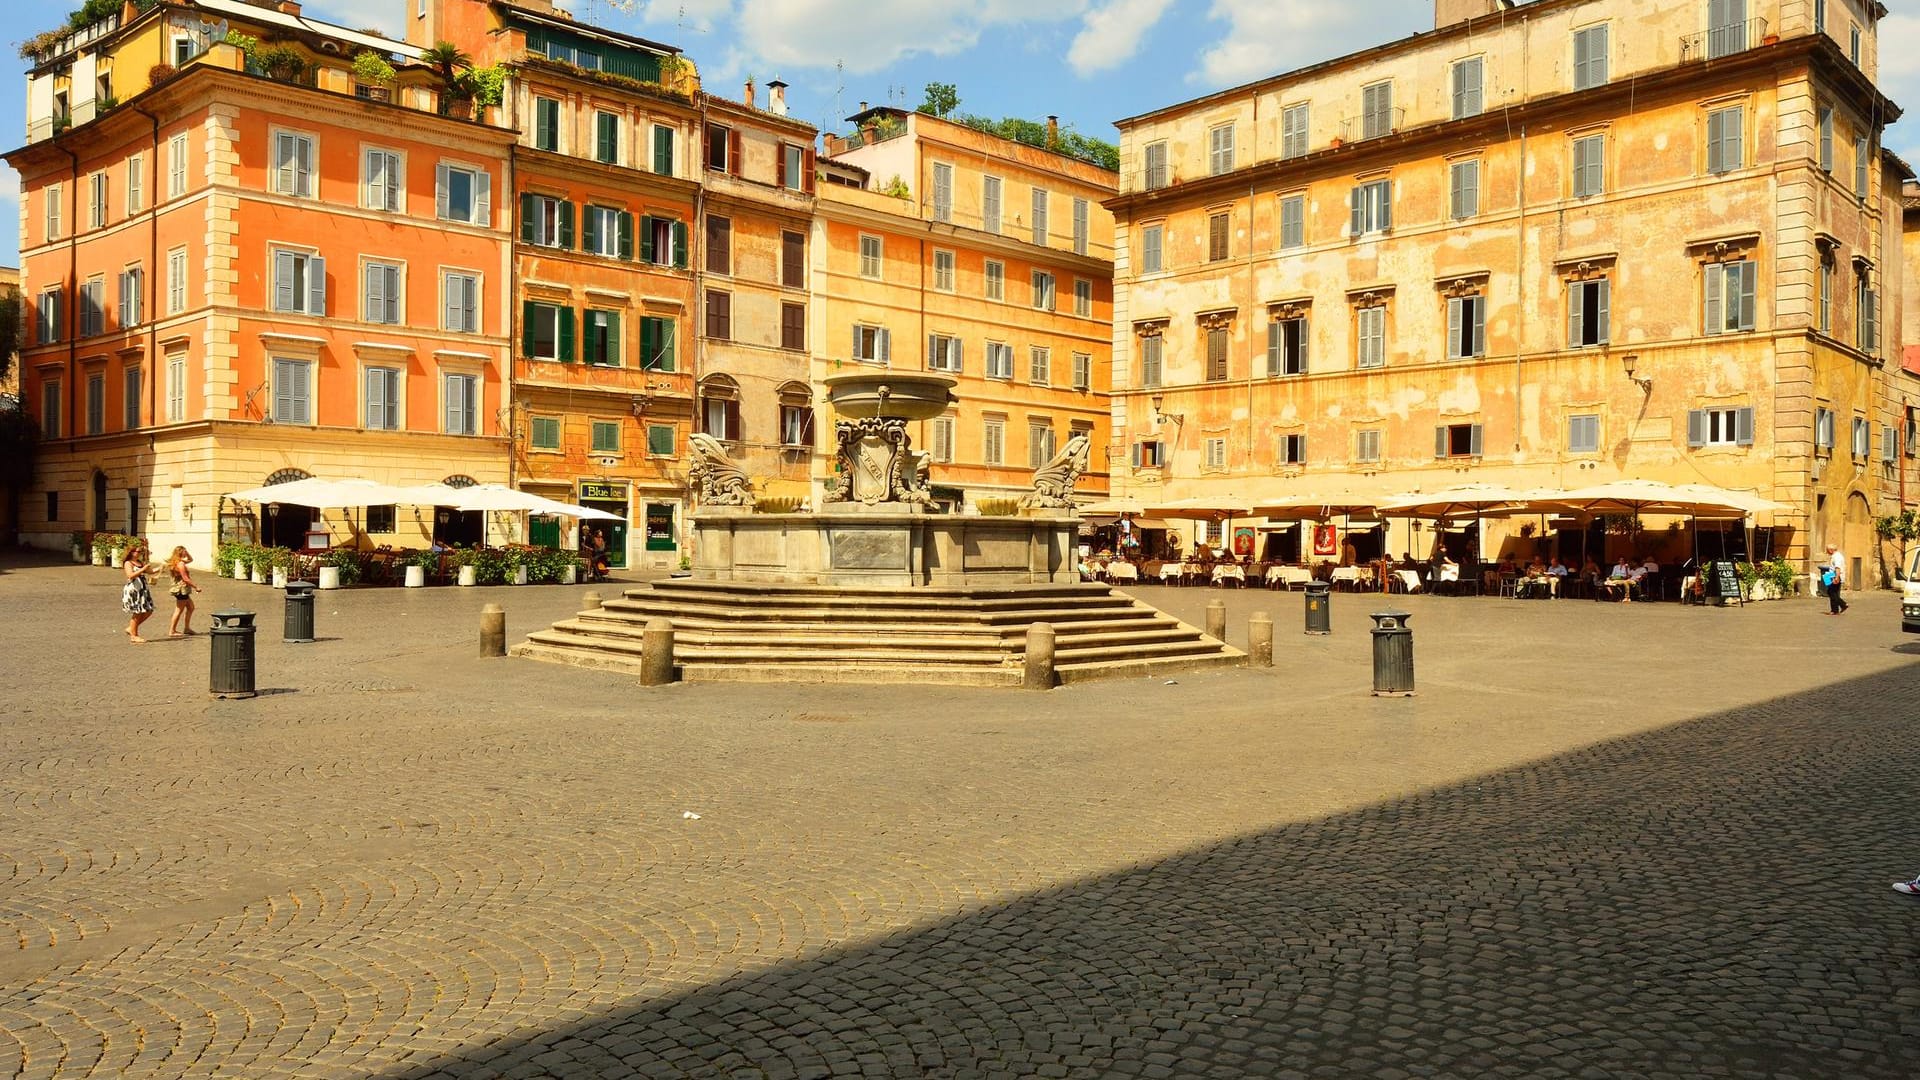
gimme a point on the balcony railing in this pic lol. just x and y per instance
(1723, 40)
(1372, 125)
(67, 43)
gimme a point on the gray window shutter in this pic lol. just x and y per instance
(440, 191)
(886, 346)
(1576, 312)
(282, 390)
(1743, 426)
(1715, 318)
(935, 359)
(283, 295)
(1386, 204)
(1275, 337)
(1305, 326)
(376, 293)
(1697, 427)
(482, 198)
(1474, 441)
(316, 285)
(1440, 441)
(1356, 200)
(1747, 281)
(1478, 346)
(1454, 349)
(1603, 317)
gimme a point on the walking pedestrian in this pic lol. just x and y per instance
(136, 599)
(1833, 577)
(182, 589)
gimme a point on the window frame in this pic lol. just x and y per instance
(999, 361)
(1468, 101)
(1463, 189)
(1576, 444)
(1715, 278)
(302, 182)
(469, 421)
(944, 276)
(995, 284)
(390, 404)
(873, 263)
(1595, 67)
(307, 399)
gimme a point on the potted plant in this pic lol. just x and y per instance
(520, 562)
(78, 542)
(280, 559)
(121, 542)
(283, 63)
(490, 566)
(160, 73)
(448, 61)
(374, 74)
(339, 568)
(465, 570)
(569, 567)
(417, 564)
(243, 557)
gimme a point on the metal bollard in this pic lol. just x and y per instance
(1039, 657)
(1260, 639)
(298, 622)
(656, 653)
(1319, 607)
(1392, 654)
(591, 601)
(232, 666)
(493, 631)
(1217, 620)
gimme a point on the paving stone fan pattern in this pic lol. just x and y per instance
(403, 861)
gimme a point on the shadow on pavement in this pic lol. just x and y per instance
(1707, 899)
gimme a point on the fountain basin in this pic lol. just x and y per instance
(894, 395)
(883, 547)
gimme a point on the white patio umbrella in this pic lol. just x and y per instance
(1306, 506)
(1125, 506)
(1479, 500)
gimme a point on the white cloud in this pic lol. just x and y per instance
(686, 16)
(868, 37)
(1110, 35)
(386, 16)
(1267, 37)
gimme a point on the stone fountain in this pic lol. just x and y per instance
(875, 525)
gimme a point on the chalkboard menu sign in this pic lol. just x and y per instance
(1723, 580)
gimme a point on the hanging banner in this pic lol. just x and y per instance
(1326, 540)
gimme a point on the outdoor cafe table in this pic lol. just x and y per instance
(1122, 571)
(1229, 572)
(1352, 575)
(1288, 576)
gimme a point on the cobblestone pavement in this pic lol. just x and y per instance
(1603, 841)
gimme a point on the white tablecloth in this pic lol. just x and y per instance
(1121, 571)
(1352, 574)
(1288, 575)
(1226, 572)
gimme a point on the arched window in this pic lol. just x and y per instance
(720, 408)
(458, 480)
(287, 476)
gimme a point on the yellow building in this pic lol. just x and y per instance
(751, 251)
(1545, 246)
(944, 248)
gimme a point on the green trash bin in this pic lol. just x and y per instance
(232, 664)
(1392, 654)
(299, 619)
(1319, 607)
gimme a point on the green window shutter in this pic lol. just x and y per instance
(590, 225)
(679, 245)
(566, 225)
(667, 332)
(663, 151)
(527, 309)
(592, 334)
(526, 218)
(647, 342)
(646, 239)
(625, 248)
(566, 334)
(613, 341)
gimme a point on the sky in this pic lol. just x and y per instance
(1090, 62)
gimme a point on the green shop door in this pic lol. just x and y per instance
(660, 527)
(544, 531)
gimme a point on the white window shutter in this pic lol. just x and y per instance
(886, 346)
(1305, 336)
(1714, 318)
(1603, 318)
(1696, 427)
(283, 294)
(483, 198)
(375, 288)
(1440, 441)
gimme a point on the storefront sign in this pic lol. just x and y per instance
(603, 490)
(660, 527)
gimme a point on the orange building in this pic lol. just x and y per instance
(604, 202)
(251, 266)
(943, 248)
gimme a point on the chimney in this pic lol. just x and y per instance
(777, 98)
(1053, 132)
(748, 97)
(863, 106)
(1448, 12)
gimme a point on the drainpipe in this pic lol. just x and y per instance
(153, 275)
(70, 296)
(1254, 146)
(510, 204)
(1520, 291)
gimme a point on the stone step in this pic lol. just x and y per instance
(690, 643)
(1144, 667)
(1094, 622)
(1165, 647)
(889, 600)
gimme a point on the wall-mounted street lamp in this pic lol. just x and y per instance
(1160, 417)
(1629, 362)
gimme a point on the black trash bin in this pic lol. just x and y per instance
(1319, 607)
(232, 665)
(1392, 654)
(299, 624)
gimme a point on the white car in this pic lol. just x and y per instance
(1910, 597)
